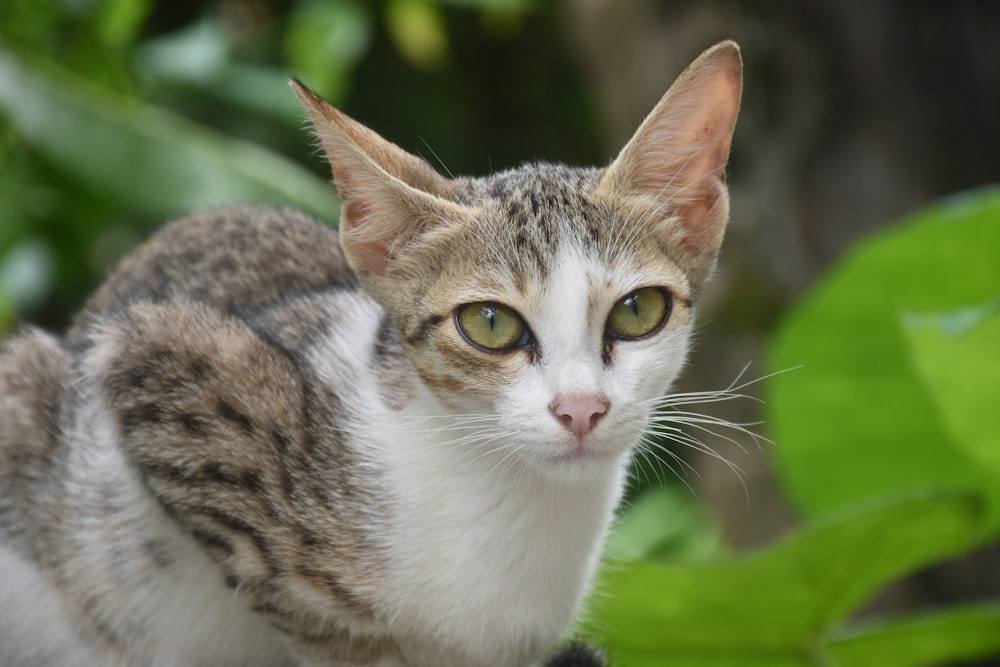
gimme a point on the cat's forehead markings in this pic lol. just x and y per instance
(539, 208)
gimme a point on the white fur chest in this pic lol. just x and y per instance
(489, 556)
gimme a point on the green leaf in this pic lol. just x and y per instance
(958, 356)
(774, 607)
(418, 30)
(324, 41)
(857, 421)
(664, 523)
(119, 20)
(158, 163)
(944, 637)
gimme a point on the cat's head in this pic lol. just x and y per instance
(555, 302)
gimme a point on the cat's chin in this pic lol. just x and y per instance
(581, 460)
(582, 455)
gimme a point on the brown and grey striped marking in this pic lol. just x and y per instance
(227, 432)
(241, 260)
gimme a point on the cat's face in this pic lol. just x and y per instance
(549, 307)
(547, 316)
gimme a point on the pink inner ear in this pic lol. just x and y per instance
(702, 225)
(674, 163)
(370, 251)
(688, 189)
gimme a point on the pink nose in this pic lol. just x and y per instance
(579, 414)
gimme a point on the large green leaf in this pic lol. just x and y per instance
(927, 640)
(775, 607)
(158, 163)
(958, 356)
(858, 420)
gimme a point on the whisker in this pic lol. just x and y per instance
(653, 446)
(700, 425)
(672, 421)
(643, 452)
(688, 440)
(649, 448)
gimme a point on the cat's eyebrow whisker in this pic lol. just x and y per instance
(438, 158)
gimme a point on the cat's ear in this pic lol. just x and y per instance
(389, 196)
(671, 173)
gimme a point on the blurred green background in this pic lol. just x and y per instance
(864, 252)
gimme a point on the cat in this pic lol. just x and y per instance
(261, 443)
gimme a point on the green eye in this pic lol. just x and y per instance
(640, 313)
(490, 326)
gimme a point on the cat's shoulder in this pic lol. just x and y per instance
(237, 260)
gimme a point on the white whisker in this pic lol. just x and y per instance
(650, 448)
(672, 421)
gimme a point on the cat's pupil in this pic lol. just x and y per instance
(639, 314)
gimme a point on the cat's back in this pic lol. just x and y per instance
(239, 260)
(245, 262)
